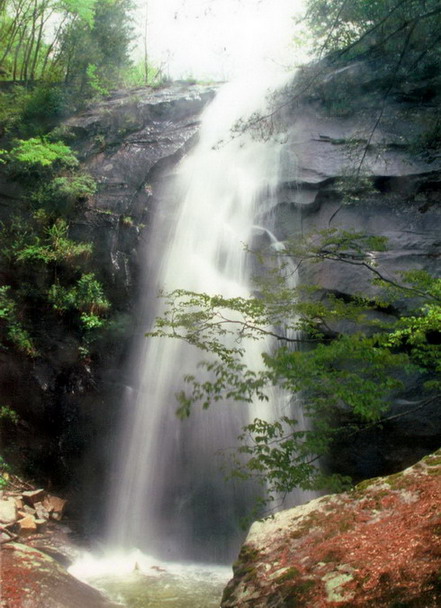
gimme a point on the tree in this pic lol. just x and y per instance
(385, 28)
(29, 37)
(97, 56)
(335, 370)
(56, 40)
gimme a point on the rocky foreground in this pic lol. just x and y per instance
(377, 546)
(35, 552)
(24, 512)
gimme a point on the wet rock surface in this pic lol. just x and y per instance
(127, 141)
(362, 167)
(379, 545)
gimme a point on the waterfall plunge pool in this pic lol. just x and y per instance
(136, 580)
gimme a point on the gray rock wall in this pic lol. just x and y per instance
(365, 169)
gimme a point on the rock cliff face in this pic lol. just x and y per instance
(66, 403)
(368, 164)
(378, 545)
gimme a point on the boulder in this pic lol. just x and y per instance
(32, 579)
(28, 525)
(8, 511)
(27, 510)
(30, 497)
(54, 505)
(379, 545)
(41, 511)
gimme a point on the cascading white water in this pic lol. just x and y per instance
(171, 498)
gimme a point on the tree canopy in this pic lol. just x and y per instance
(404, 30)
(58, 40)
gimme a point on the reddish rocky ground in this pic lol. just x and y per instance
(32, 579)
(34, 550)
(377, 546)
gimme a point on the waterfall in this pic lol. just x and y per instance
(170, 497)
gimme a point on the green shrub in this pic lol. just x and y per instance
(62, 133)
(38, 152)
(95, 81)
(90, 295)
(136, 76)
(86, 297)
(11, 328)
(61, 194)
(91, 321)
(11, 108)
(6, 413)
(4, 473)
(43, 105)
(52, 244)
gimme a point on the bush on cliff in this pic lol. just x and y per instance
(47, 275)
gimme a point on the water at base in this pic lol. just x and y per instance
(135, 580)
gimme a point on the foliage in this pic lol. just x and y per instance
(382, 28)
(39, 37)
(42, 106)
(94, 80)
(47, 272)
(86, 296)
(60, 195)
(42, 242)
(31, 155)
(11, 104)
(84, 9)
(47, 275)
(96, 58)
(33, 111)
(350, 361)
(11, 328)
(6, 413)
(60, 54)
(31, 31)
(4, 473)
(139, 75)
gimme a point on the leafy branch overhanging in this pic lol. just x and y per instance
(357, 351)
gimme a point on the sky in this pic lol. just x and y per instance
(218, 39)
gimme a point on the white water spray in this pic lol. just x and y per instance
(171, 498)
